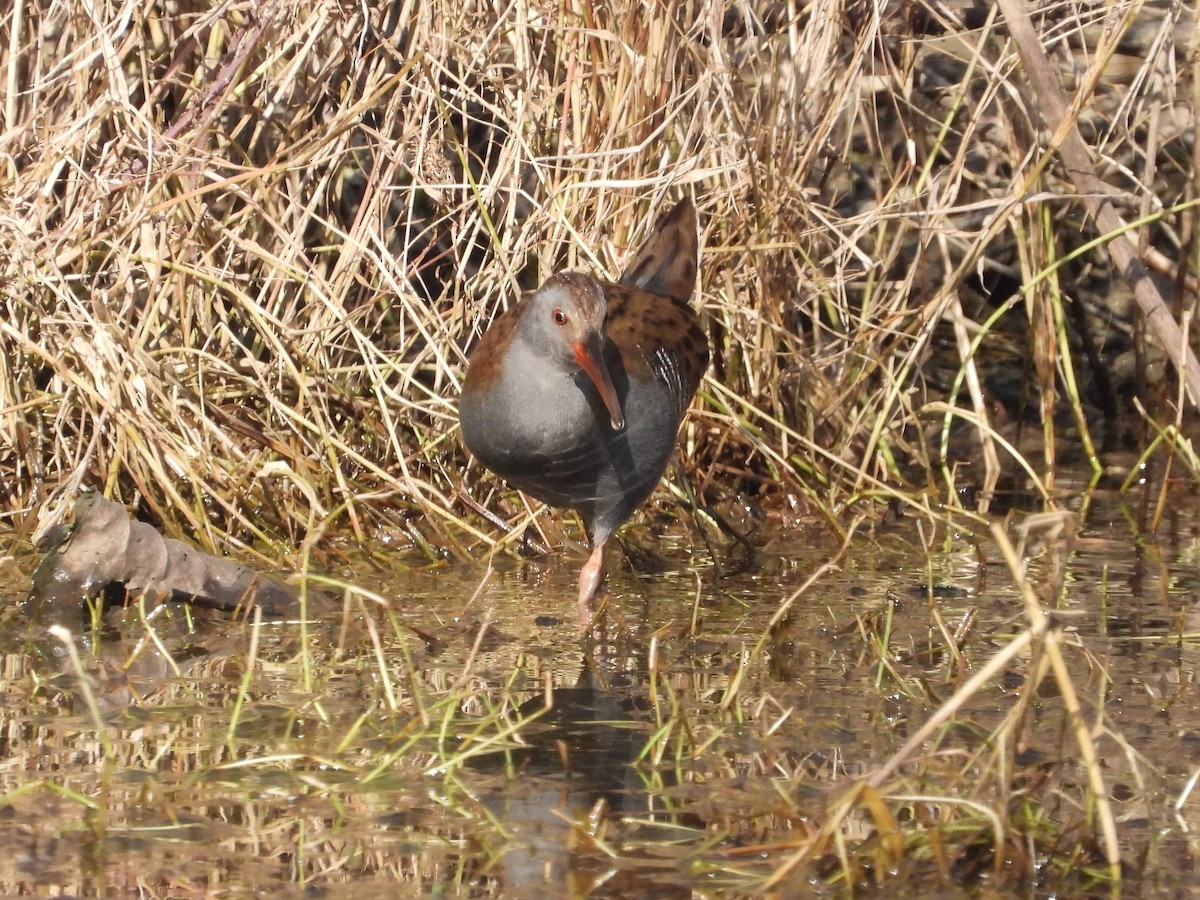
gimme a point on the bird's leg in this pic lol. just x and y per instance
(591, 575)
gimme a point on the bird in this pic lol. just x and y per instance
(575, 394)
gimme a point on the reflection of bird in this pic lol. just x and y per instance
(577, 770)
(575, 395)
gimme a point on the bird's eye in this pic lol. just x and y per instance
(560, 317)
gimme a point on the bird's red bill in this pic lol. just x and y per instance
(590, 355)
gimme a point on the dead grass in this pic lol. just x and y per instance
(246, 247)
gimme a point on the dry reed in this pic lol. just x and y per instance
(247, 245)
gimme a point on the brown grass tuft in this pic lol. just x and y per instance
(246, 245)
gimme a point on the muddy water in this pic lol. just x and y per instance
(464, 736)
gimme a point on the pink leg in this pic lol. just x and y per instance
(591, 575)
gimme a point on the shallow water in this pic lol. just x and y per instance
(473, 740)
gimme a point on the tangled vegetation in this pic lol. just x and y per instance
(949, 249)
(247, 245)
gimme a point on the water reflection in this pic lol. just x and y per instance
(577, 806)
(577, 772)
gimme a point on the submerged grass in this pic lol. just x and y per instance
(778, 742)
(246, 247)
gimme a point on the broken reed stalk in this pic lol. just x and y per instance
(1048, 100)
(1041, 623)
(1042, 639)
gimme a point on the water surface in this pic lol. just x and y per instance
(467, 737)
